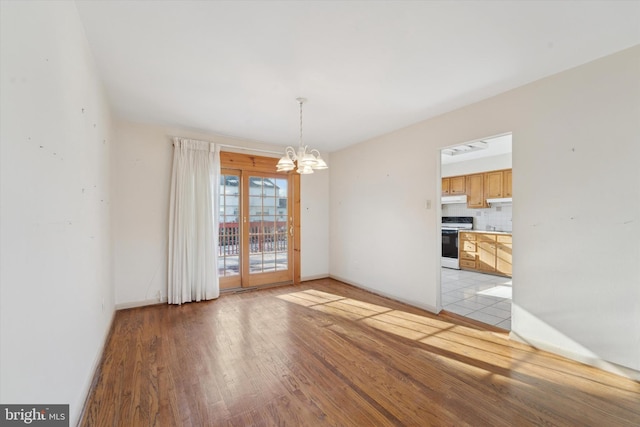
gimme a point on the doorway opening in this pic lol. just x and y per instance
(476, 222)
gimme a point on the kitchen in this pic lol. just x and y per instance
(476, 230)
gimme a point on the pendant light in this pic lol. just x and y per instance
(305, 161)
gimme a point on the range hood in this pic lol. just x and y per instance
(448, 200)
(501, 200)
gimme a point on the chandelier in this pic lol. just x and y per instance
(305, 160)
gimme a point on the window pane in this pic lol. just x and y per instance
(269, 262)
(281, 261)
(255, 263)
(229, 230)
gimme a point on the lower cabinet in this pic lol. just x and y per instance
(504, 245)
(485, 252)
(468, 251)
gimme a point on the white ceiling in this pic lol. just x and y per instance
(367, 68)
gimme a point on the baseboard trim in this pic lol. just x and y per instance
(426, 307)
(314, 277)
(97, 366)
(143, 303)
(587, 360)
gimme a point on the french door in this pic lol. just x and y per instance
(257, 228)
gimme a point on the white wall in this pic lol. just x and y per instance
(56, 300)
(314, 227)
(483, 164)
(382, 236)
(575, 156)
(142, 171)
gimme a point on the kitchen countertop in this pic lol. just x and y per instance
(486, 231)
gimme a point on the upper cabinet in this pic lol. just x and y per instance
(479, 187)
(446, 186)
(497, 184)
(453, 186)
(475, 191)
(506, 182)
(493, 185)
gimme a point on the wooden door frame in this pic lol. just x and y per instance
(253, 163)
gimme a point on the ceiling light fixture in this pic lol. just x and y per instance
(466, 148)
(305, 160)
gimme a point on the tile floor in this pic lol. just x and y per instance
(478, 296)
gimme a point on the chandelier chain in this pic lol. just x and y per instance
(301, 123)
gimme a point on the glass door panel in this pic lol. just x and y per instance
(229, 236)
(281, 226)
(268, 230)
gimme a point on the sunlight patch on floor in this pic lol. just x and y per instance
(398, 322)
(455, 339)
(499, 291)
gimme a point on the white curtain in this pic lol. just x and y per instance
(193, 222)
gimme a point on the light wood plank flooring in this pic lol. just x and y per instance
(325, 353)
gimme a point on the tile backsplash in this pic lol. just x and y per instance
(495, 216)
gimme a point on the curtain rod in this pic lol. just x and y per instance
(237, 147)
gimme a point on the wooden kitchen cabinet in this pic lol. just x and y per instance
(506, 183)
(475, 191)
(457, 185)
(446, 186)
(467, 254)
(453, 186)
(497, 184)
(479, 187)
(504, 244)
(493, 184)
(485, 252)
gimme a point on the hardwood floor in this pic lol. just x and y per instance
(325, 353)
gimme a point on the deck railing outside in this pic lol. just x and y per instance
(263, 237)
